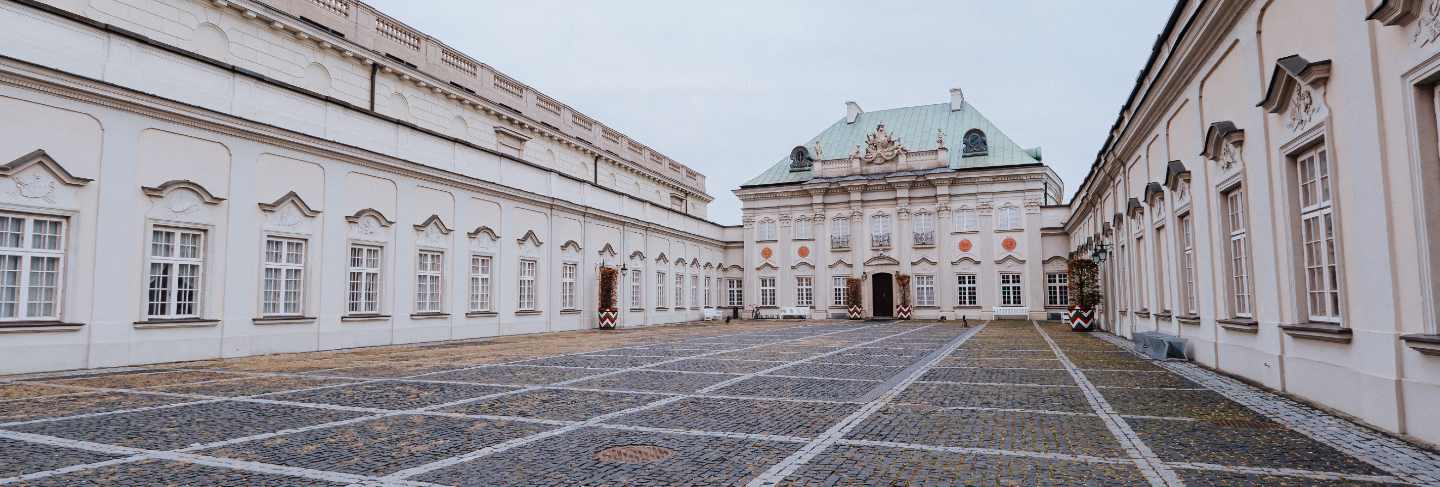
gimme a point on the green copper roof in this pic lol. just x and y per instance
(915, 127)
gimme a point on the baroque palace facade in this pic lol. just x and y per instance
(192, 179)
(1269, 194)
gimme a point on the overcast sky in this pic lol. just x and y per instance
(728, 88)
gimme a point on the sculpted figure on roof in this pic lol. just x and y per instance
(880, 147)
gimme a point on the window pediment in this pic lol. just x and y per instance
(43, 159)
(530, 238)
(483, 231)
(165, 188)
(1297, 91)
(571, 245)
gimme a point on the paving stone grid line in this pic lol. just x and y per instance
(909, 375)
(1403, 460)
(142, 454)
(1145, 459)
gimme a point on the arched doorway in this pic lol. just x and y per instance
(881, 292)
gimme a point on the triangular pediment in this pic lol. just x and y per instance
(290, 198)
(41, 158)
(882, 259)
(662, 258)
(531, 238)
(436, 222)
(607, 250)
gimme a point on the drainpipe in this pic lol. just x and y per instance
(374, 71)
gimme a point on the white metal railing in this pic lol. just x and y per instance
(925, 238)
(839, 241)
(881, 241)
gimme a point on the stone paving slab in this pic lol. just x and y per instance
(1210, 478)
(556, 404)
(1001, 376)
(869, 466)
(655, 381)
(718, 365)
(515, 374)
(252, 386)
(1004, 430)
(170, 473)
(830, 371)
(379, 446)
(14, 391)
(785, 418)
(1260, 443)
(73, 404)
(575, 459)
(182, 426)
(390, 394)
(1187, 404)
(797, 388)
(19, 457)
(1062, 399)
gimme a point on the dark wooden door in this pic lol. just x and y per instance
(881, 290)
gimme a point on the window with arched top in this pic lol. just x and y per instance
(1007, 218)
(765, 230)
(974, 144)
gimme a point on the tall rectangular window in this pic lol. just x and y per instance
(839, 285)
(177, 257)
(637, 280)
(364, 289)
(767, 291)
(840, 233)
(568, 296)
(1057, 289)
(429, 276)
(1187, 266)
(528, 297)
(1139, 276)
(1011, 290)
(694, 290)
(803, 229)
(1317, 236)
(679, 290)
(1161, 296)
(709, 288)
(1238, 250)
(880, 231)
(284, 277)
(32, 254)
(923, 229)
(804, 291)
(924, 290)
(659, 289)
(765, 230)
(965, 220)
(480, 275)
(735, 292)
(966, 290)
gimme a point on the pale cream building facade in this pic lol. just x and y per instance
(1268, 193)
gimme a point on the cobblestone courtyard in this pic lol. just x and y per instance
(841, 403)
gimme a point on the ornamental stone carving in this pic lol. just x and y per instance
(881, 147)
(1427, 29)
(1301, 109)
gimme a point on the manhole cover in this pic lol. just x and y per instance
(634, 454)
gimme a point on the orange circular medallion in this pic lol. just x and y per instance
(965, 245)
(804, 251)
(1008, 244)
(766, 252)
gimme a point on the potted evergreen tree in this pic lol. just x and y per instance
(609, 313)
(1084, 294)
(903, 310)
(852, 298)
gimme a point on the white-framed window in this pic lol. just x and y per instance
(804, 291)
(767, 291)
(1238, 252)
(1011, 290)
(1008, 218)
(679, 290)
(803, 229)
(365, 273)
(709, 289)
(637, 282)
(480, 279)
(839, 285)
(1140, 286)
(429, 280)
(694, 290)
(660, 289)
(735, 292)
(177, 260)
(880, 231)
(923, 228)
(569, 297)
(1188, 299)
(283, 281)
(765, 230)
(966, 290)
(1161, 275)
(1317, 235)
(840, 233)
(528, 295)
(924, 290)
(32, 257)
(965, 220)
(1057, 289)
